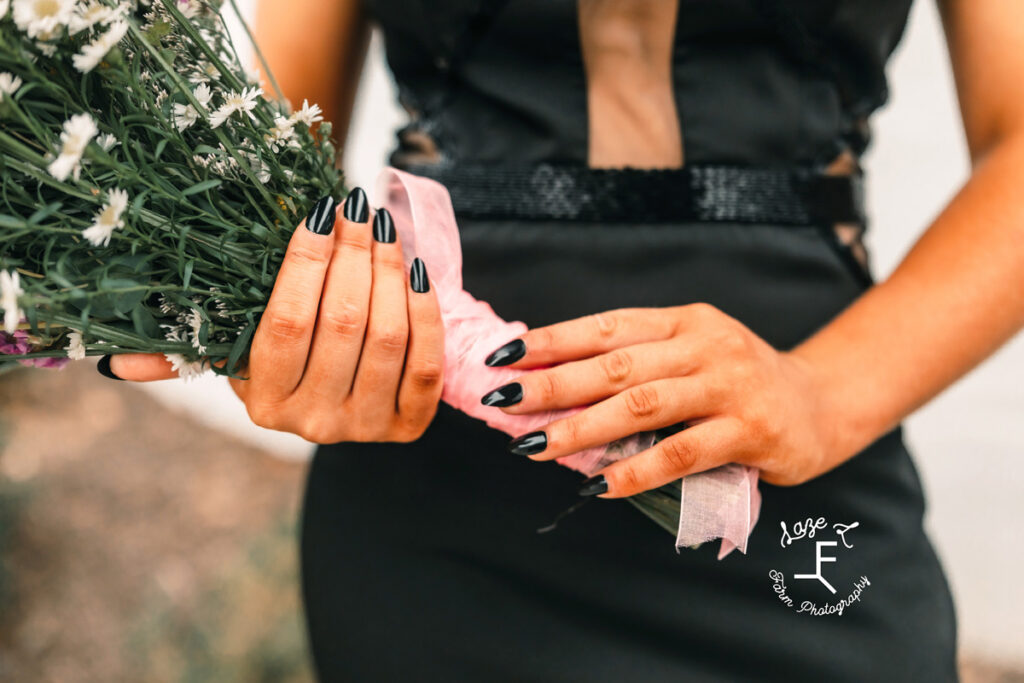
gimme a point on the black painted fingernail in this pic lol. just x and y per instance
(418, 276)
(383, 227)
(104, 368)
(529, 444)
(507, 354)
(320, 220)
(594, 486)
(508, 395)
(356, 208)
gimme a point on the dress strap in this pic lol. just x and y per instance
(699, 192)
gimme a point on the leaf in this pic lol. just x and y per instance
(240, 346)
(188, 273)
(202, 187)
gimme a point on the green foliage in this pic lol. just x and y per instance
(209, 211)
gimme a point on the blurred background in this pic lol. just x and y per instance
(148, 531)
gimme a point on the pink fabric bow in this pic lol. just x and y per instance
(720, 503)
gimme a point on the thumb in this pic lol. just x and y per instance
(136, 367)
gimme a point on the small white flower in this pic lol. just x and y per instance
(185, 115)
(47, 49)
(89, 15)
(195, 321)
(108, 219)
(189, 8)
(107, 141)
(10, 288)
(244, 101)
(9, 84)
(4, 6)
(308, 114)
(282, 134)
(42, 18)
(186, 370)
(93, 53)
(203, 94)
(78, 131)
(75, 347)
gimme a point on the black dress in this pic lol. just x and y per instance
(422, 561)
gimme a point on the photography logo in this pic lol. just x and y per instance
(828, 546)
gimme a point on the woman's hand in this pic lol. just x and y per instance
(648, 368)
(347, 349)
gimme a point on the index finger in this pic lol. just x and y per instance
(585, 337)
(281, 343)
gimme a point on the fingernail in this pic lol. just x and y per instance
(594, 486)
(508, 395)
(529, 444)
(356, 208)
(507, 354)
(320, 220)
(103, 366)
(383, 227)
(418, 276)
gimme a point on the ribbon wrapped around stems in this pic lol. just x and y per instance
(720, 503)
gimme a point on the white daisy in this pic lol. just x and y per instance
(107, 141)
(10, 288)
(93, 53)
(244, 101)
(308, 114)
(187, 370)
(282, 134)
(42, 18)
(185, 115)
(108, 219)
(78, 131)
(89, 15)
(203, 94)
(195, 321)
(75, 347)
(9, 84)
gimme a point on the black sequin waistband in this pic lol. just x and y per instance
(713, 193)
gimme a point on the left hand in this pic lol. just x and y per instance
(648, 368)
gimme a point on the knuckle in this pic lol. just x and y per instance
(409, 431)
(628, 480)
(390, 260)
(679, 455)
(348, 241)
(541, 338)
(617, 366)
(548, 386)
(607, 324)
(643, 401)
(304, 255)
(344, 320)
(263, 414)
(285, 325)
(389, 341)
(426, 374)
(320, 428)
(572, 431)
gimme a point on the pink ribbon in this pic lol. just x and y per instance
(720, 503)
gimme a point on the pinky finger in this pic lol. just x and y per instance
(701, 447)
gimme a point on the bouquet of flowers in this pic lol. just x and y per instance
(148, 189)
(147, 196)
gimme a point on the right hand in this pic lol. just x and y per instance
(346, 349)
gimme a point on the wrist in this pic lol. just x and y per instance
(847, 419)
